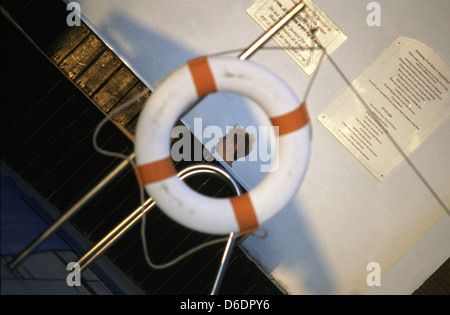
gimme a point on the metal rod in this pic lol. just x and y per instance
(69, 213)
(117, 230)
(223, 264)
(109, 240)
(231, 239)
(252, 49)
(272, 31)
(129, 222)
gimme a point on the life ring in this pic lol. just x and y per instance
(177, 92)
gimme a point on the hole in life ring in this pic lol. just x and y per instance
(210, 180)
(242, 139)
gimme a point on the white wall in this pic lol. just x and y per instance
(342, 218)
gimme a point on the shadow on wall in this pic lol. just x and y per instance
(304, 254)
(149, 54)
(153, 56)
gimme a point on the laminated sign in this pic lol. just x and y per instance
(392, 107)
(296, 37)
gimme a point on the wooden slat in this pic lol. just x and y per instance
(137, 96)
(98, 72)
(82, 57)
(118, 85)
(67, 42)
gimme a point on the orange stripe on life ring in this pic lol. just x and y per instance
(291, 121)
(245, 213)
(154, 171)
(202, 76)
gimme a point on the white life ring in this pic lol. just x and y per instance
(174, 96)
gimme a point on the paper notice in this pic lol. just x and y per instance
(405, 98)
(297, 33)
